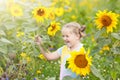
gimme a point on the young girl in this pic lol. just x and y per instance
(71, 33)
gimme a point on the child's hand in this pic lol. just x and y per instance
(38, 40)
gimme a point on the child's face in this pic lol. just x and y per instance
(69, 37)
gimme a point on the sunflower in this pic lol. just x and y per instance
(54, 27)
(40, 13)
(59, 11)
(16, 10)
(80, 62)
(107, 20)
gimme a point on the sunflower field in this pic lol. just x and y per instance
(22, 20)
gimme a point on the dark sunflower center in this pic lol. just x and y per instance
(40, 12)
(16, 11)
(106, 20)
(53, 27)
(80, 61)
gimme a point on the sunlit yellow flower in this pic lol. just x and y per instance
(40, 13)
(101, 51)
(41, 56)
(54, 27)
(73, 17)
(28, 59)
(106, 48)
(23, 55)
(16, 10)
(38, 71)
(80, 62)
(107, 20)
(51, 14)
(19, 34)
(59, 11)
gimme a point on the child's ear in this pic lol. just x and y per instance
(78, 36)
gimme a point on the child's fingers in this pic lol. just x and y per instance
(38, 39)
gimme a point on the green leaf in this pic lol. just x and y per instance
(51, 78)
(1, 71)
(113, 74)
(31, 29)
(2, 33)
(103, 41)
(96, 72)
(10, 25)
(67, 64)
(98, 33)
(5, 40)
(3, 49)
(116, 35)
(116, 50)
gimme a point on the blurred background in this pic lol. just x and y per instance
(22, 20)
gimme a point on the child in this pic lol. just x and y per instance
(71, 33)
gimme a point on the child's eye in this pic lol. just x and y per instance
(67, 36)
(62, 35)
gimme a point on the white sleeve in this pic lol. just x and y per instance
(59, 50)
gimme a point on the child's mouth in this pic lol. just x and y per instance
(67, 43)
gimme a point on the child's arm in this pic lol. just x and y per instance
(48, 55)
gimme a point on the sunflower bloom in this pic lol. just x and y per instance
(38, 71)
(16, 10)
(40, 13)
(59, 11)
(54, 27)
(107, 20)
(80, 62)
(23, 55)
(106, 47)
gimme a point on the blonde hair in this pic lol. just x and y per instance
(76, 28)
